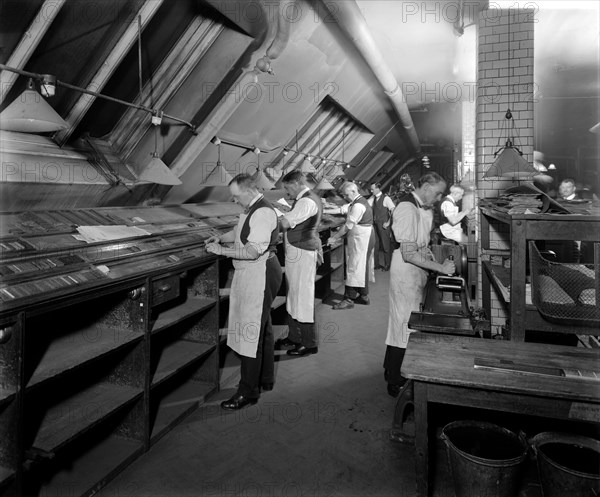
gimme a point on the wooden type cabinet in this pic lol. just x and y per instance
(91, 379)
(510, 282)
(96, 367)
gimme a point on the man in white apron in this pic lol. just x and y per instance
(411, 225)
(255, 284)
(361, 240)
(302, 253)
(451, 217)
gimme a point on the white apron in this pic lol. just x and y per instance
(356, 255)
(300, 272)
(407, 283)
(246, 300)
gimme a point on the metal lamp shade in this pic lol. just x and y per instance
(510, 164)
(218, 177)
(324, 184)
(262, 182)
(30, 113)
(158, 172)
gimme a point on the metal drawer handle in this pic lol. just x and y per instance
(164, 288)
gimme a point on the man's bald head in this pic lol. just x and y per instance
(349, 187)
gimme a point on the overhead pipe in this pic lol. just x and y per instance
(40, 77)
(228, 105)
(351, 21)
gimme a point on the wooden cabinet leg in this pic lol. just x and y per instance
(421, 439)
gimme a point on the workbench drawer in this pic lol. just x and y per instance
(165, 289)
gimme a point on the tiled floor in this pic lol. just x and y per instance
(323, 431)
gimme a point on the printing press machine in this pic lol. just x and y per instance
(446, 305)
(445, 309)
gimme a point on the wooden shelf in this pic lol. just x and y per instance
(500, 278)
(189, 308)
(178, 403)
(65, 421)
(501, 283)
(94, 468)
(72, 351)
(177, 356)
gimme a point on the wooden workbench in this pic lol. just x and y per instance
(442, 368)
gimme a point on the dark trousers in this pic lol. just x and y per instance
(383, 244)
(392, 364)
(351, 292)
(303, 333)
(261, 369)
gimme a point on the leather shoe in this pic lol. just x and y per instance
(301, 351)
(386, 268)
(266, 387)
(393, 390)
(237, 402)
(362, 300)
(285, 342)
(344, 304)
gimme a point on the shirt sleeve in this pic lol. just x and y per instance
(355, 214)
(388, 203)
(262, 224)
(405, 223)
(303, 209)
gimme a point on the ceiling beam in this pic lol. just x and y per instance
(28, 43)
(374, 164)
(380, 175)
(164, 83)
(99, 80)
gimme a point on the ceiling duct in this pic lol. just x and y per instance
(351, 21)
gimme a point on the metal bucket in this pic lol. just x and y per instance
(568, 465)
(486, 460)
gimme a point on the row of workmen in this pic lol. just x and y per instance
(402, 232)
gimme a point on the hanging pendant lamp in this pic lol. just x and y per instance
(324, 184)
(307, 166)
(157, 171)
(262, 182)
(219, 175)
(508, 159)
(260, 178)
(30, 113)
